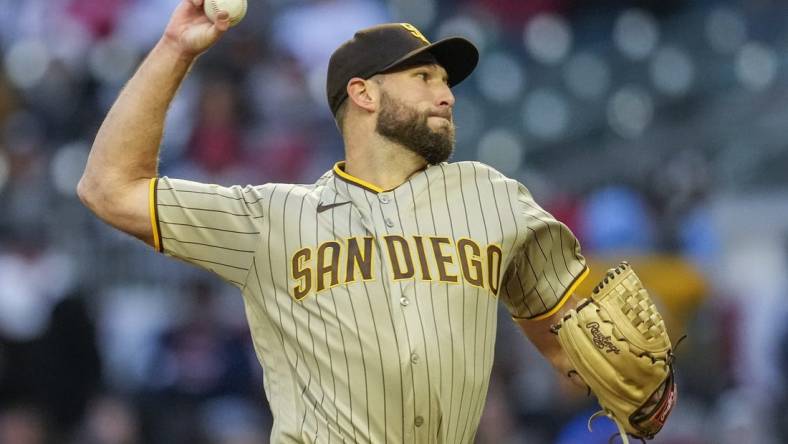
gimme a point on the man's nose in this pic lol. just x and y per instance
(445, 97)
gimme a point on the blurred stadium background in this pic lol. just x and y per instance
(655, 129)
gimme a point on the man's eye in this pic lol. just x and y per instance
(422, 75)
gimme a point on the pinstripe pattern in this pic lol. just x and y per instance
(401, 348)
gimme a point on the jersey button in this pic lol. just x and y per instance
(389, 222)
(414, 358)
(404, 301)
(418, 421)
(384, 198)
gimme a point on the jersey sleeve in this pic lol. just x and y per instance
(547, 265)
(211, 226)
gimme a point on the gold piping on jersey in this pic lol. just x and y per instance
(154, 217)
(339, 170)
(564, 298)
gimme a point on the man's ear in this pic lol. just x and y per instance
(364, 93)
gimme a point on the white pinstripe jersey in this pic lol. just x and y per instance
(373, 313)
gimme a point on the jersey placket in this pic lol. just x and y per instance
(401, 294)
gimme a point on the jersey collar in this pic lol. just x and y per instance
(339, 170)
(406, 193)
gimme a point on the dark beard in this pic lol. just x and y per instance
(405, 126)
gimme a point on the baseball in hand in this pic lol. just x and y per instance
(236, 9)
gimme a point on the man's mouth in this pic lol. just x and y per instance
(442, 116)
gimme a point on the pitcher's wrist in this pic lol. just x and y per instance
(173, 49)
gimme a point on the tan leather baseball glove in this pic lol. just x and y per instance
(617, 343)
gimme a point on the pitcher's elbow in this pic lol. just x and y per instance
(86, 191)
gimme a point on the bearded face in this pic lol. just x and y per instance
(405, 125)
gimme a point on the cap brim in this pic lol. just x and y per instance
(457, 55)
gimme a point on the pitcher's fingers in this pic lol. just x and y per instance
(221, 24)
(197, 3)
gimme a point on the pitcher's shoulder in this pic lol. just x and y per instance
(286, 189)
(481, 172)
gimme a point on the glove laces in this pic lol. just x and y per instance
(621, 432)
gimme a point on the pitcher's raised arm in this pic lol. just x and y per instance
(124, 157)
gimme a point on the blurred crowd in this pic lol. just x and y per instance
(653, 129)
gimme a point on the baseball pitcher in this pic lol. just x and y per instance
(371, 294)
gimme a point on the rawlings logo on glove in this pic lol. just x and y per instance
(617, 343)
(601, 341)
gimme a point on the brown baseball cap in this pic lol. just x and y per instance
(386, 47)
